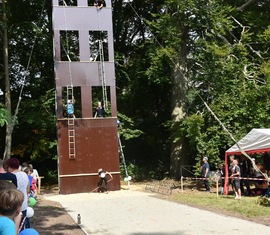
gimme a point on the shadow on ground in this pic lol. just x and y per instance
(51, 218)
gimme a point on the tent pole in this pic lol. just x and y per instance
(226, 186)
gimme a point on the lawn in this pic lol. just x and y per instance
(248, 208)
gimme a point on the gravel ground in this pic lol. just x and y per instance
(129, 212)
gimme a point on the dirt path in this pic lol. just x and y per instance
(51, 218)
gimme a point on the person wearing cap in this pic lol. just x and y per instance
(205, 172)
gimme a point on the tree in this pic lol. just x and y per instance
(229, 73)
(171, 57)
(143, 86)
(6, 81)
(3, 115)
(214, 59)
(31, 81)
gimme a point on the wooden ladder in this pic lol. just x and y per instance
(71, 139)
(102, 75)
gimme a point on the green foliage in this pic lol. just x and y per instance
(169, 55)
(51, 177)
(140, 173)
(266, 34)
(143, 88)
(126, 127)
(265, 69)
(220, 52)
(135, 172)
(192, 125)
(229, 78)
(3, 115)
(37, 129)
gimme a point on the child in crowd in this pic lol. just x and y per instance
(34, 184)
(10, 207)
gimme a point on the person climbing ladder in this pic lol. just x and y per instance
(70, 108)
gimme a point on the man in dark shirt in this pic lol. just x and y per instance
(102, 177)
(205, 172)
(100, 110)
(245, 166)
(7, 175)
(99, 4)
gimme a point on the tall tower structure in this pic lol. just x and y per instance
(85, 73)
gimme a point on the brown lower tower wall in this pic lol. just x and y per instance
(96, 146)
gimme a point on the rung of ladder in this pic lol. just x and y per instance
(72, 151)
(71, 156)
(69, 92)
(71, 144)
(71, 121)
(71, 139)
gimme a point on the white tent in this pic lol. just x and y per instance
(256, 141)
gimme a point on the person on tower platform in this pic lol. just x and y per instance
(100, 112)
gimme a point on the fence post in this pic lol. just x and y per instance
(39, 183)
(182, 186)
(217, 186)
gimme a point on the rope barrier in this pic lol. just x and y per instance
(22, 223)
(216, 178)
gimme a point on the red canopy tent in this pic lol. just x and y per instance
(256, 141)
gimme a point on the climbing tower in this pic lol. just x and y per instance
(85, 75)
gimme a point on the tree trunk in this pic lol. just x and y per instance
(7, 85)
(179, 104)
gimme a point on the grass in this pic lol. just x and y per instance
(247, 208)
